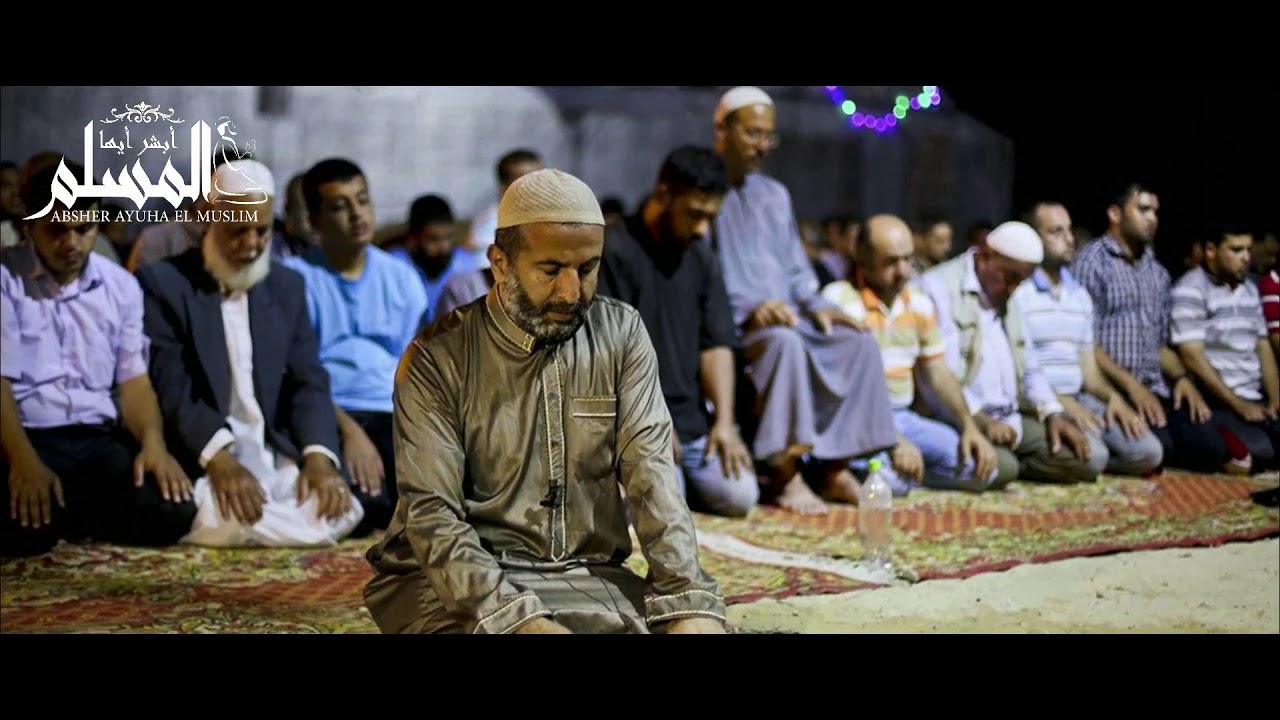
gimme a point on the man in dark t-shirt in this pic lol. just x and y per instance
(658, 262)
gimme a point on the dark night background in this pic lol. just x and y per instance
(1208, 152)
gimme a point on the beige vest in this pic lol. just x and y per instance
(966, 311)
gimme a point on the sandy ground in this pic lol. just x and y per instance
(1234, 588)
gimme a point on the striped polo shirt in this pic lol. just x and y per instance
(1059, 325)
(906, 332)
(1130, 307)
(1228, 320)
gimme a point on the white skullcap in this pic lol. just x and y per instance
(1017, 241)
(739, 98)
(548, 196)
(239, 178)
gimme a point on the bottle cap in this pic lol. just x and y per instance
(875, 465)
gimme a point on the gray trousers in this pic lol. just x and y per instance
(707, 489)
(1116, 453)
(1032, 460)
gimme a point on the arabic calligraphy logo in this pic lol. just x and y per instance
(133, 183)
(142, 113)
(228, 151)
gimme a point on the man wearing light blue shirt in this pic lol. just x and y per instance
(430, 250)
(366, 307)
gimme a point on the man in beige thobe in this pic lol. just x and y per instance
(519, 422)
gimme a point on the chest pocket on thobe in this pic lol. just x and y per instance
(594, 424)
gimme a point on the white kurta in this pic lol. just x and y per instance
(284, 522)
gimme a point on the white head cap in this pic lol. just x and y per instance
(739, 98)
(548, 196)
(239, 178)
(1017, 241)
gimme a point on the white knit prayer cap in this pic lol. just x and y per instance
(738, 98)
(1017, 241)
(548, 196)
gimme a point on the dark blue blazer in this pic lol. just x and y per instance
(191, 370)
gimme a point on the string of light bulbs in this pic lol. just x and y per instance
(928, 97)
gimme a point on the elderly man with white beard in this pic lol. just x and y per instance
(244, 396)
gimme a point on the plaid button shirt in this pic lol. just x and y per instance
(1131, 307)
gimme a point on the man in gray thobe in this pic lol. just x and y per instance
(519, 421)
(818, 378)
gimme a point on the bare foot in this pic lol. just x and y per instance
(798, 498)
(842, 487)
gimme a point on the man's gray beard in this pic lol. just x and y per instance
(530, 318)
(231, 278)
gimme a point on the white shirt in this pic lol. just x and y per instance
(248, 426)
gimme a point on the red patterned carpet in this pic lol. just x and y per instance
(772, 554)
(187, 590)
(949, 535)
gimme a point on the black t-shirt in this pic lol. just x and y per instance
(681, 298)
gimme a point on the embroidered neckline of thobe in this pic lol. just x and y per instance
(552, 376)
(507, 327)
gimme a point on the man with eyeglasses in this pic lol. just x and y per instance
(819, 380)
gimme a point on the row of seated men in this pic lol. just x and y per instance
(365, 305)
(1063, 374)
(1103, 363)
(272, 383)
(426, 240)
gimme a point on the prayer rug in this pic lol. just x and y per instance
(771, 554)
(107, 589)
(943, 534)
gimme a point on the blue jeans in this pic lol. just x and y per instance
(860, 468)
(712, 491)
(939, 445)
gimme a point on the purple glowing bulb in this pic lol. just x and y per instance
(915, 103)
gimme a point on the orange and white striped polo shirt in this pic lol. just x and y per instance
(906, 332)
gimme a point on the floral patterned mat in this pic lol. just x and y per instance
(950, 534)
(772, 554)
(101, 589)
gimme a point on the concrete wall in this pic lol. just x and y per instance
(409, 140)
(415, 140)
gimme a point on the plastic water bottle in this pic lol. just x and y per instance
(875, 516)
